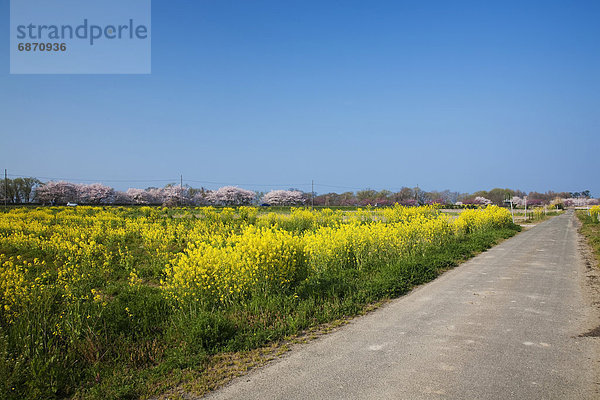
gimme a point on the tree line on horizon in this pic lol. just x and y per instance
(31, 191)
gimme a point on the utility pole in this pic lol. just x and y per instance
(312, 194)
(181, 191)
(417, 195)
(5, 188)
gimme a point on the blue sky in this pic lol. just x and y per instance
(460, 95)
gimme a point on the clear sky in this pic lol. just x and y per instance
(460, 95)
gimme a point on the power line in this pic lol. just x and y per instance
(248, 184)
(339, 187)
(289, 185)
(94, 180)
(158, 180)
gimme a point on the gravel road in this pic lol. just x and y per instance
(504, 325)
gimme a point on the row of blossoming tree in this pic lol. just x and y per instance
(27, 190)
(56, 193)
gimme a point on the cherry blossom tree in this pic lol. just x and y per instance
(479, 200)
(482, 200)
(96, 193)
(174, 196)
(518, 201)
(57, 192)
(155, 195)
(231, 196)
(284, 197)
(200, 198)
(579, 202)
(169, 196)
(139, 196)
(122, 198)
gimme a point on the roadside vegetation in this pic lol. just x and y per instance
(590, 228)
(539, 214)
(122, 302)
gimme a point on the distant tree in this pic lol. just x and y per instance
(407, 194)
(201, 198)
(498, 195)
(347, 199)
(482, 201)
(477, 200)
(284, 197)
(18, 190)
(192, 192)
(437, 197)
(96, 193)
(402, 195)
(7, 191)
(579, 202)
(335, 199)
(156, 195)
(174, 196)
(56, 193)
(231, 196)
(384, 194)
(518, 201)
(139, 196)
(479, 193)
(562, 195)
(26, 188)
(366, 195)
(122, 198)
(324, 199)
(3, 191)
(258, 195)
(449, 197)
(423, 197)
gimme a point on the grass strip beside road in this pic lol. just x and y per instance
(590, 228)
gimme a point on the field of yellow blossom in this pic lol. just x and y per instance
(101, 302)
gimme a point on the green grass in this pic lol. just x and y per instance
(591, 230)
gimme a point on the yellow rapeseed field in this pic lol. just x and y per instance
(89, 292)
(206, 255)
(595, 213)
